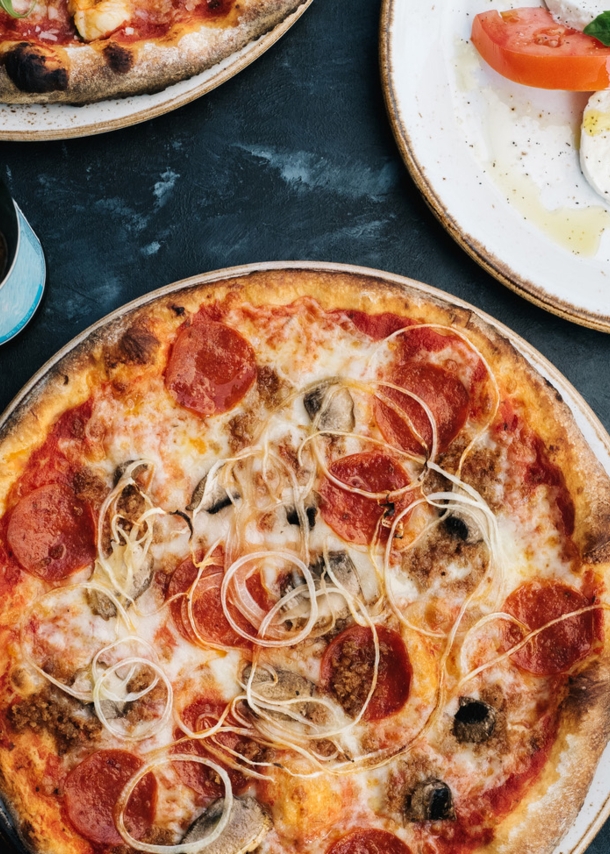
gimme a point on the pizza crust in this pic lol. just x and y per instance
(85, 73)
(551, 805)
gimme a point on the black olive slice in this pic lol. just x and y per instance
(463, 529)
(456, 526)
(311, 511)
(474, 722)
(430, 800)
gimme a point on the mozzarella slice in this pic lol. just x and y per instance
(576, 13)
(595, 143)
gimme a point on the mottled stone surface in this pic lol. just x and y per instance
(292, 159)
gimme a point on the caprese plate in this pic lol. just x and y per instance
(498, 162)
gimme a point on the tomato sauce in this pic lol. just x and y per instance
(61, 30)
(50, 463)
(476, 823)
(531, 465)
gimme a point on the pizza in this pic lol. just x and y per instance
(80, 51)
(299, 561)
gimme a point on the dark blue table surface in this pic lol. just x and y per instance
(292, 159)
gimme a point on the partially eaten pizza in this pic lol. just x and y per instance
(299, 561)
(81, 51)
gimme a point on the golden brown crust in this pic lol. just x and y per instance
(88, 72)
(549, 808)
(140, 339)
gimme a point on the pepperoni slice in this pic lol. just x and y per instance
(369, 842)
(376, 326)
(348, 667)
(200, 715)
(92, 790)
(210, 368)
(51, 532)
(356, 517)
(208, 612)
(559, 647)
(442, 391)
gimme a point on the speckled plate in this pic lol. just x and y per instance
(497, 162)
(27, 122)
(596, 807)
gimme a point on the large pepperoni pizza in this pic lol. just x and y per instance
(299, 561)
(80, 51)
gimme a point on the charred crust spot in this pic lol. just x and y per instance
(137, 346)
(35, 69)
(118, 58)
(550, 385)
(178, 310)
(27, 832)
(587, 690)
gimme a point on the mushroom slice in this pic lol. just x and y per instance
(135, 474)
(209, 495)
(474, 722)
(342, 567)
(333, 604)
(280, 685)
(248, 825)
(104, 607)
(430, 800)
(334, 407)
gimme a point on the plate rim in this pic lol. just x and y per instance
(486, 259)
(540, 362)
(243, 58)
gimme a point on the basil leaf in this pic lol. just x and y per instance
(599, 28)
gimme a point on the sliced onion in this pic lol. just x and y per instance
(183, 847)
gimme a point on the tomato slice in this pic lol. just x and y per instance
(530, 47)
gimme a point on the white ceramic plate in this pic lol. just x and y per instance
(27, 122)
(497, 161)
(596, 807)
